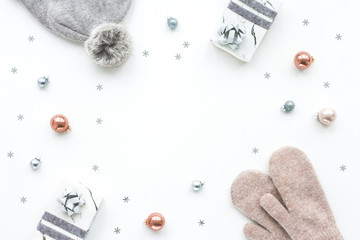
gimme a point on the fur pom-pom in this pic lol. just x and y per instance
(109, 45)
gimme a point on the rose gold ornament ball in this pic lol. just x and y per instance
(59, 123)
(155, 221)
(303, 60)
(326, 116)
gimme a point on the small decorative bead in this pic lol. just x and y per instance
(303, 60)
(43, 82)
(197, 185)
(326, 116)
(288, 106)
(155, 221)
(172, 23)
(35, 163)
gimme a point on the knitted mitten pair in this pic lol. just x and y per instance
(288, 204)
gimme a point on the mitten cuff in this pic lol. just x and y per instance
(329, 234)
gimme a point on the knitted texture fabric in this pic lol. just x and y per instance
(76, 19)
(95, 22)
(307, 215)
(246, 191)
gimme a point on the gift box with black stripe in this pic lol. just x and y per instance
(244, 25)
(70, 213)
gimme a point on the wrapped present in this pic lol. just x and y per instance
(69, 214)
(244, 25)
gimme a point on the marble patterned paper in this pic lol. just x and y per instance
(56, 224)
(255, 17)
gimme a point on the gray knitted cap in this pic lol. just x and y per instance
(95, 22)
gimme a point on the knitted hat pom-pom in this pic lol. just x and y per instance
(109, 45)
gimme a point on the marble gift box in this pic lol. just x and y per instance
(244, 25)
(57, 224)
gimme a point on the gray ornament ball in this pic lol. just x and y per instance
(42, 82)
(197, 185)
(35, 163)
(172, 23)
(288, 106)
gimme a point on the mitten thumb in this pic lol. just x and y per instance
(276, 210)
(255, 232)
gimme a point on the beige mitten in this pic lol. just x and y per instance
(307, 215)
(246, 191)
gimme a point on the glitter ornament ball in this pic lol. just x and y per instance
(197, 185)
(35, 163)
(155, 221)
(43, 82)
(172, 23)
(303, 60)
(326, 116)
(288, 106)
(59, 123)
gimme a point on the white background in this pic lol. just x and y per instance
(167, 122)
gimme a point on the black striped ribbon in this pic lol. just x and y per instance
(249, 15)
(52, 233)
(71, 228)
(261, 8)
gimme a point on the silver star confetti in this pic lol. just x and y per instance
(31, 38)
(14, 70)
(177, 56)
(117, 230)
(126, 199)
(99, 87)
(267, 75)
(145, 53)
(342, 168)
(10, 154)
(306, 22)
(201, 223)
(326, 84)
(186, 44)
(20, 117)
(95, 168)
(338, 37)
(255, 150)
(99, 121)
(23, 199)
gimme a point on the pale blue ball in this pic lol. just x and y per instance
(43, 82)
(289, 106)
(197, 185)
(172, 23)
(35, 163)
